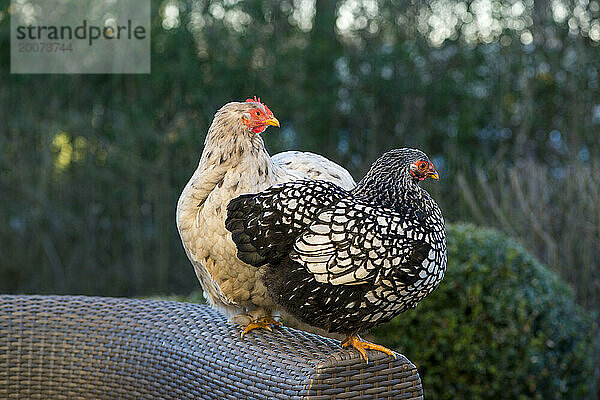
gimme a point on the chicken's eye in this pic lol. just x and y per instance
(422, 165)
(258, 113)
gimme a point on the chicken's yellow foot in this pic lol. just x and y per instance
(360, 345)
(264, 322)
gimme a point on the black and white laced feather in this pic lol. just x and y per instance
(345, 260)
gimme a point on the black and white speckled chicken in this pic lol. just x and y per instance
(342, 260)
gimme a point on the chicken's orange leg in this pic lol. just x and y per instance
(261, 323)
(360, 345)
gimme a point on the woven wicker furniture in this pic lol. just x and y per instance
(75, 347)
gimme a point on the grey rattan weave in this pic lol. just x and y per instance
(75, 347)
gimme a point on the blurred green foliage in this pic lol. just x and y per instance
(500, 326)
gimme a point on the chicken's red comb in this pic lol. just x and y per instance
(257, 100)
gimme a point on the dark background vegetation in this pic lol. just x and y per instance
(485, 334)
(503, 95)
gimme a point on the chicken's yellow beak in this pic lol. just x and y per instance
(272, 121)
(432, 173)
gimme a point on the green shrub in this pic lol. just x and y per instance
(500, 326)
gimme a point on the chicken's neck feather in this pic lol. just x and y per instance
(228, 142)
(228, 145)
(388, 187)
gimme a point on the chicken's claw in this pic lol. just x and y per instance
(360, 345)
(261, 323)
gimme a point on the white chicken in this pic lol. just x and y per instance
(235, 162)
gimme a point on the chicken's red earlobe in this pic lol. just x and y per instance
(259, 129)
